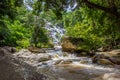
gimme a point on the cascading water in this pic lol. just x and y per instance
(63, 66)
(55, 32)
(58, 65)
(81, 65)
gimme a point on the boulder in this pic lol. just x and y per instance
(104, 48)
(115, 60)
(84, 61)
(108, 76)
(12, 68)
(115, 52)
(32, 58)
(97, 57)
(36, 50)
(109, 57)
(10, 49)
(41, 59)
(111, 76)
(105, 62)
(57, 62)
(63, 62)
(71, 44)
(66, 62)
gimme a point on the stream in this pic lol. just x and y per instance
(81, 68)
(58, 65)
(65, 66)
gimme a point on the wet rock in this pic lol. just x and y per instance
(111, 76)
(110, 57)
(97, 57)
(36, 50)
(114, 53)
(57, 62)
(104, 48)
(115, 60)
(66, 62)
(108, 76)
(32, 58)
(57, 48)
(65, 54)
(44, 59)
(102, 59)
(10, 49)
(84, 61)
(105, 62)
(56, 56)
(63, 62)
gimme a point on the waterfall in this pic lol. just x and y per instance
(55, 32)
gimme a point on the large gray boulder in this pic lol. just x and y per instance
(13, 69)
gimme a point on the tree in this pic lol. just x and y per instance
(7, 9)
(59, 6)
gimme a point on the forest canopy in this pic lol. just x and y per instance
(96, 21)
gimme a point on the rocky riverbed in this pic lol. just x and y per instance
(55, 65)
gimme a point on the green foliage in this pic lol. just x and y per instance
(94, 26)
(85, 32)
(24, 43)
(8, 7)
(39, 37)
(93, 20)
(17, 34)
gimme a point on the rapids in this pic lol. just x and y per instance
(58, 65)
(66, 66)
(81, 68)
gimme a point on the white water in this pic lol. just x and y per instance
(55, 32)
(81, 68)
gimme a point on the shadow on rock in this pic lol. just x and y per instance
(13, 69)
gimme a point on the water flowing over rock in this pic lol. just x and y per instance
(52, 65)
(64, 66)
(32, 58)
(55, 32)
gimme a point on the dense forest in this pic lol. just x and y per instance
(22, 22)
(59, 39)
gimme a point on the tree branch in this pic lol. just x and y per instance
(110, 10)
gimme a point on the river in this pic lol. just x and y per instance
(66, 66)
(58, 65)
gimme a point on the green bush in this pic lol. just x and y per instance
(23, 43)
(86, 32)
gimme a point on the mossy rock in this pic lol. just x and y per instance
(71, 44)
